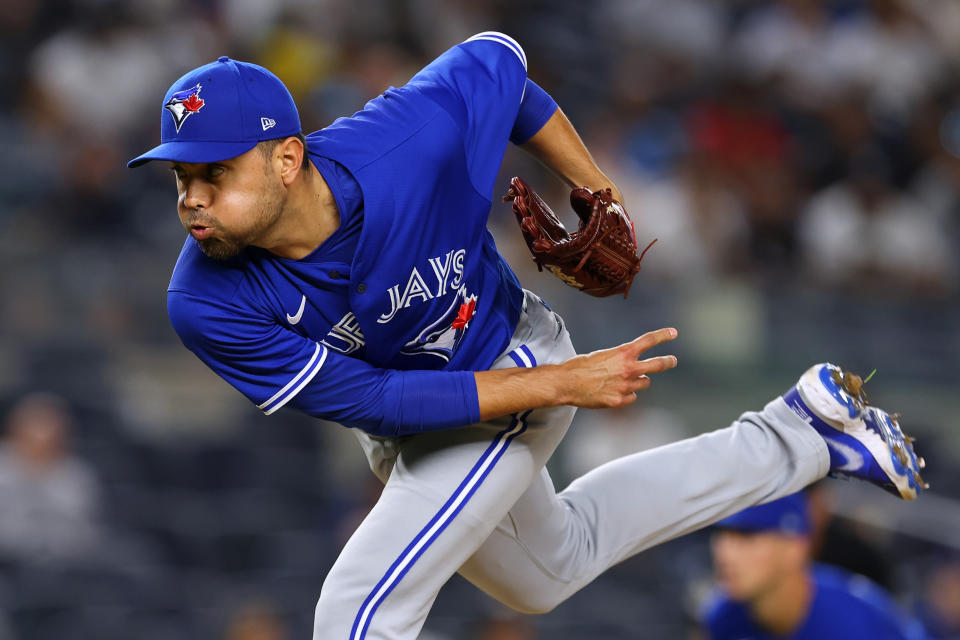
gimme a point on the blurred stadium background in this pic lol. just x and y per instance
(798, 159)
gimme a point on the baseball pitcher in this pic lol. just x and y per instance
(350, 275)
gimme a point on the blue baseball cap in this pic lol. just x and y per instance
(222, 110)
(788, 515)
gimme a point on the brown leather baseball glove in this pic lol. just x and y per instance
(599, 258)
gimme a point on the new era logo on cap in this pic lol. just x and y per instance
(266, 123)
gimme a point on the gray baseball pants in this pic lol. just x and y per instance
(479, 501)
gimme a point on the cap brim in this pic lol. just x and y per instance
(194, 151)
(743, 527)
(756, 525)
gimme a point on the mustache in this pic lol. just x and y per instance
(202, 220)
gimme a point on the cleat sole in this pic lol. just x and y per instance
(852, 384)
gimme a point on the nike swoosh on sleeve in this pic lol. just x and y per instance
(294, 319)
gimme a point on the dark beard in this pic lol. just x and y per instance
(228, 246)
(220, 249)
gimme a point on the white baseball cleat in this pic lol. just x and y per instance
(865, 442)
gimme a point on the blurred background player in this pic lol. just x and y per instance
(770, 588)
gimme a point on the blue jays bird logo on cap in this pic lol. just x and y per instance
(183, 104)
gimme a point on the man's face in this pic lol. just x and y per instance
(751, 564)
(229, 205)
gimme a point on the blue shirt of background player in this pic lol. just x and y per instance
(844, 606)
(354, 332)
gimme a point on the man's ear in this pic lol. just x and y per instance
(798, 551)
(290, 154)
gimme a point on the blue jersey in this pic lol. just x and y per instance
(381, 326)
(845, 606)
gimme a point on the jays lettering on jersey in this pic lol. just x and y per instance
(389, 342)
(844, 606)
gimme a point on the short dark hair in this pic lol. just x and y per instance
(266, 147)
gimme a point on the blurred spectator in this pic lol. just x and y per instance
(862, 232)
(687, 29)
(793, 42)
(748, 147)
(90, 86)
(437, 23)
(505, 628)
(937, 183)
(699, 221)
(770, 589)
(940, 607)
(943, 21)
(814, 49)
(49, 500)
(255, 621)
(894, 56)
(98, 76)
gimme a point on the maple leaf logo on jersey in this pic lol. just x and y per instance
(184, 104)
(466, 312)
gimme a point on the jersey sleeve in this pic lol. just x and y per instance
(535, 109)
(275, 367)
(482, 84)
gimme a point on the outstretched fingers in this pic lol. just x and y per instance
(651, 339)
(639, 369)
(656, 365)
(612, 377)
